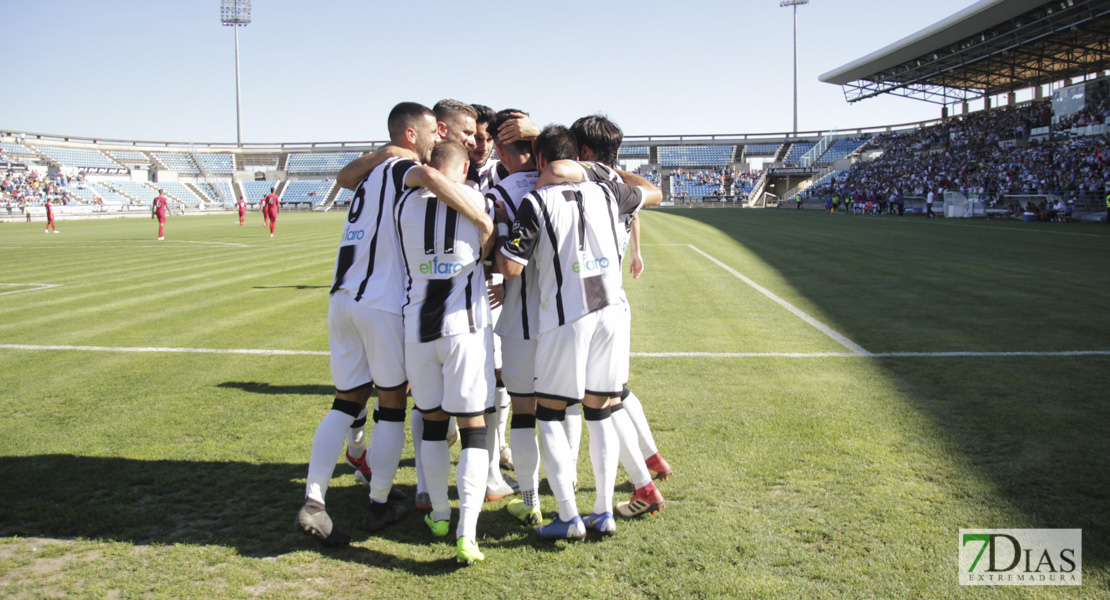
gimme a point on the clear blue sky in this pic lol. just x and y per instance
(330, 70)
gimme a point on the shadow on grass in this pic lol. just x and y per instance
(261, 387)
(245, 506)
(1036, 428)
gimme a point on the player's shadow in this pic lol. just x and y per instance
(292, 287)
(247, 506)
(259, 387)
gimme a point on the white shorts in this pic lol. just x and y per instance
(495, 314)
(453, 374)
(518, 368)
(577, 358)
(622, 347)
(367, 345)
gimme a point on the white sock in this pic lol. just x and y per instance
(502, 402)
(631, 459)
(472, 490)
(386, 444)
(493, 449)
(635, 412)
(327, 443)
(604, 453)
(559, 467)
(356, 437)
(416, 425)
(437, 470)
(526, 459)
(572, 426)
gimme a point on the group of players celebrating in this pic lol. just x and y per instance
(418, 302)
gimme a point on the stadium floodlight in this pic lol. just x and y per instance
(236, 14)
(795, 4)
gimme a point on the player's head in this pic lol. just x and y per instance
(519, 147)
(555, 143)
(452, 159)
(161, 191)
(272, 190)
(483, 139)
(457, 122)
(599, 139)
(413, 126)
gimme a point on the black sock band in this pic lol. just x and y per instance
(472, 437)
(358, 423)
(392, 414)
(625, 392)
(523, 422)
(435, 431)
(377, 416)
(596, 414)
(346, 407)
(544, 413)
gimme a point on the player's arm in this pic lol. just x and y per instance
(518, 128)
(652, 195)
(636, 264)
(358, 169)
(452, 194)
(561, 171)
(516, 250)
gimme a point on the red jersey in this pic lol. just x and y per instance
(271, 203)
(49, 212)
(242, 206)
(161, 205)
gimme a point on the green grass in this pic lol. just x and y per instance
(177, 475)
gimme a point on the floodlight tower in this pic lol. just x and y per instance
(795, 4)
(236, 14)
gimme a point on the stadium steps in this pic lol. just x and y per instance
(329, 200)
(200, 194)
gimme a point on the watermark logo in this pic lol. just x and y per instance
(1021, 557)
(434, 267)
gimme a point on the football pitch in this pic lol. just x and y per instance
(838, 395)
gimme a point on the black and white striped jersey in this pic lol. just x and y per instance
(597, 171)
(570, 232)
(368, 264)
(445, 288)
(521, 300)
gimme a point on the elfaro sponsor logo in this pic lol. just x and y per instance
(352, 235)
(1021, 557)
(588, 265)
(434, 267)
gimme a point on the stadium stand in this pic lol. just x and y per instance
(253, 191)
(11, 149)
(633, 151)
(82, 191)
(179, 162)
(344, 196)
(109, 194)
(218, 192)
(840, 149)
(217, 164)
(762, 149)
(79, 158)
(319, 162)
(128, 156)
(797, 151)
(696, 156)
(144, 194)
(307, 191)
(180, 192)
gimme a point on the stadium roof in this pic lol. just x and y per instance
(991, 47)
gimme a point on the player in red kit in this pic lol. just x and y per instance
(159, 210)
(271, 206)
(242, 205)
(50, 218)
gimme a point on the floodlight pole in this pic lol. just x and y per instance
(794, 4)
(236, 14)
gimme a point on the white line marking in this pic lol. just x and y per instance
(176, 350)
(825, 329)
(38, 286)
(634, 354)
(216, 243)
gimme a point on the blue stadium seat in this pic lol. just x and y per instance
(319, 162)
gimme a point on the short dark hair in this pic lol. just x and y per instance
(447, 107)
(556, 143)
(485, 113)
(404, 116)
(447, 153)
(502, 117)
(601, 135)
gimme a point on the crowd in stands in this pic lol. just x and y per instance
(986, 154)
(21, 188)
(711, 182)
